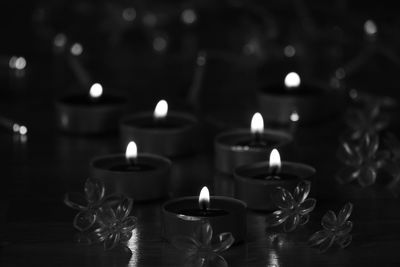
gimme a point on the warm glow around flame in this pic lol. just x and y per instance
(292, 80)
(131, 151)
(274, 160)
(161, 109)
(96, 91)
(204, 198)
(257, 123)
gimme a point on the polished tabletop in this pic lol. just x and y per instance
(36, 172)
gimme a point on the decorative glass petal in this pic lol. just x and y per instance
(292, 210)
(283, 198)
(94, 190)
(336, 230)
(198, 248)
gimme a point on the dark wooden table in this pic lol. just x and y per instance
(36, 227)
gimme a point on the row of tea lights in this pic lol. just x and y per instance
(146, 176)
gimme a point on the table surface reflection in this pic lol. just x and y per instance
(36, 227)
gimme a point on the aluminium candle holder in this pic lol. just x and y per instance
(232, 148)
(254, 188)
(175, 135)
(312, 103)
(78, 114)
(150, 181)
(176, 223)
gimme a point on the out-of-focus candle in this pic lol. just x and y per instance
(140, 176)
(162, 132)
(90, 113)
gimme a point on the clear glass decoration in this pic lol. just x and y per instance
(199, 249)
(365, 121)
(336, 229)
(293, 209)
(115, 224)
(101, 218)
(392, 166)
(88, 204)
(362, 160)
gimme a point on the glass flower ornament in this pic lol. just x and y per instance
(115, 224)
(294, 209)
(88, 204)
(199, 249)
(362, 161)
(368, 120)
(336, 229)
(392, 166)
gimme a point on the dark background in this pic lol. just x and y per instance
(245, 42)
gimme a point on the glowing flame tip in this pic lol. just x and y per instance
(275, 160)
(292, 80)
(204, 198)
(131, 151)
(257, 123)
(161, 109)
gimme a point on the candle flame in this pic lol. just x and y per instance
(161, 109)
(96, 90)
(257, 123)
(292, 80)
(131, 151)
(204, 198)
(274, 161)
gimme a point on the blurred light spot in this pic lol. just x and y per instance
(370, 27)
(353, 94)
(160, 44)
(252, 47)
(16, 128)
(23, 130)
(289, 51)
(150, 20)
(129, 14)
(64, 120)
(188, 16)
(340, 73)
(60, 40)
(335, 82)
(201, 58)
(294, 116)
(76, 49)
(18, 63)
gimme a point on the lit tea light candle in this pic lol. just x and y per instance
(161, 132)
(140, 176)
(90, 113)
(239, 147)
(256, 182)
(204, 209)
(312, 102)
(181, 216)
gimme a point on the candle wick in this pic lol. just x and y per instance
(132, 161)
(273, 173)
(257, 137)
